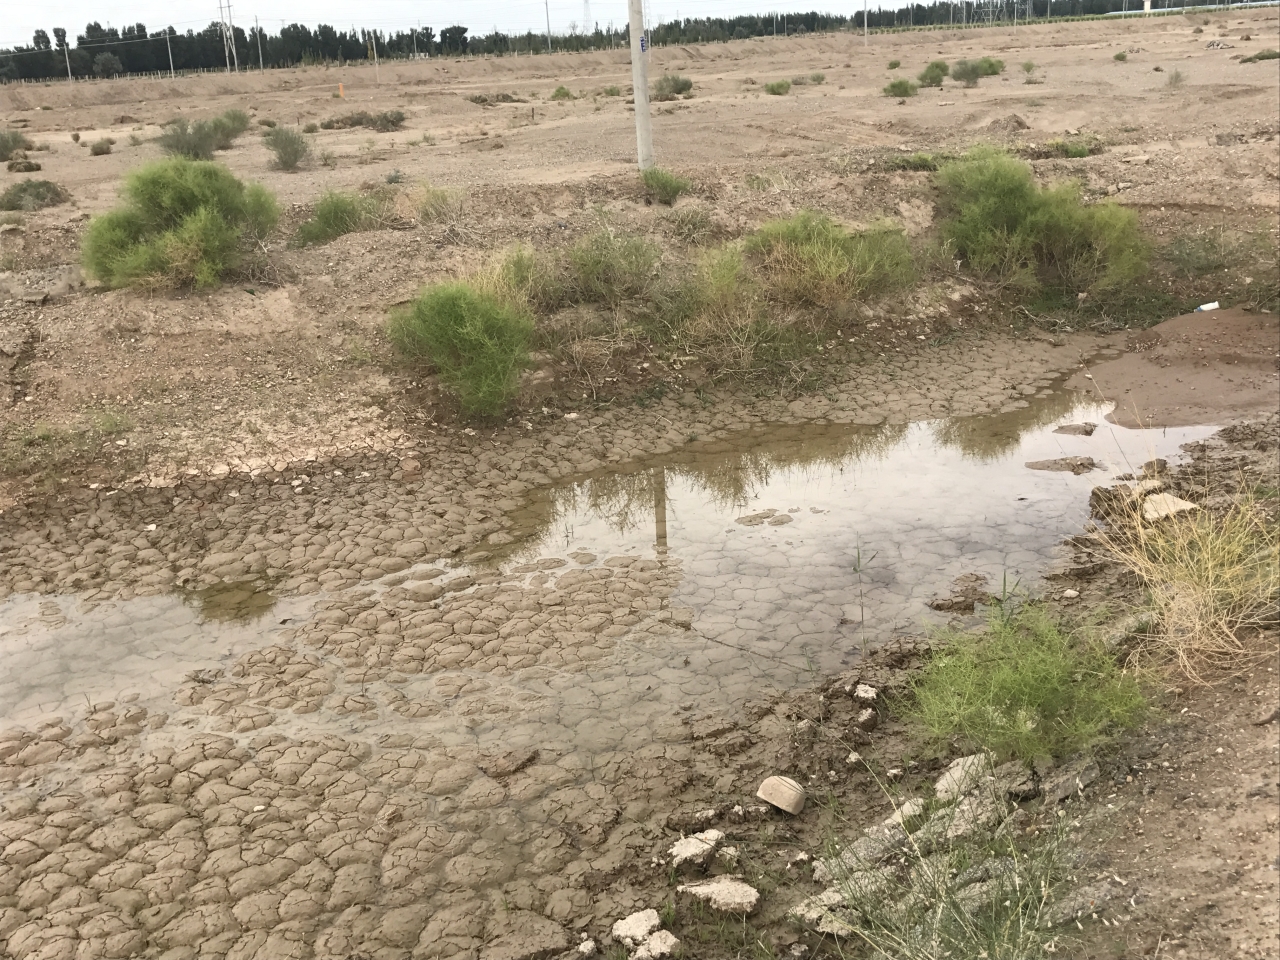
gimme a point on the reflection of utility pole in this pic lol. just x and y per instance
(660, 510)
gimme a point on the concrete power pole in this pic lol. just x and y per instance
(546, 5)
(168, 46)
(640, 84)
(258, 31)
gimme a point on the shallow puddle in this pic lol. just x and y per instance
(769, 559)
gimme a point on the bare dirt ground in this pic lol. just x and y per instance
(399, 772)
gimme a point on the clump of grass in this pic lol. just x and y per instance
(715, 313)
(1028, 66)
(900, 88)
(22, 165)
(934, 73)
(198, 140)
(810, 260)
(1211, 577)
(913, 161)
(990, 66)
(311, 128)
(1175, 79)
(1008, 228)
(894, 64)
(477, 343)
(1199, 254)
(289, 146)
(817, 78)
(11, 141)
(29, 195)
(562, 93)
(1025, 688)
(384, 122)
(1261, 55)
(670, 86)
(611, 91)
(778, 88)
(337, 213)
(969, 72)
(100, 148)
(438, 205)
(1072, 149)
(524, 280)
(691, 225)
(664, 186)
(265, 122)
(1121, 57)
(185, 223)
(610, 268)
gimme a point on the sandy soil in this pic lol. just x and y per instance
(341, 789)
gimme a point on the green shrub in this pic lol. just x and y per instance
(524, 280)
(663, 186)
(990, 66)
(380, 122)
(810, 260)
(289, 146)
(691, 225)
(900, 88)
(338, 213)
(967, 72)
(913, 161)
(817, 78)
(670, 86)
(22, 165)
(1010, 229)
(28, 195)
(1121, 57)
(264, 122)
(800, 81)
(11, 141)
(1025, 688)
(933, 74)
(435, 204)
(894, 64)
(311, 128)
(778, 88)
(714, 313)
(184, 223)
(100, 148)
(611, 91)
(181, 138)
(562, 93)
(1262, 55)
(477, 343)
(1028, 66)
(610, 269)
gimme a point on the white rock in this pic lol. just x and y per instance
(783, 792)
(587, 948)
(636, 928)
(661, 944)
(908, 811)
(1070, 594)
(864, 692)
(695, 849)
(1161, 505)
(853, 757)
(963, 774)
(727, 894)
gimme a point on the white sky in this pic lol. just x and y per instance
(20, 20)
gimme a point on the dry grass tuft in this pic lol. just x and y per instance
(1213, 580)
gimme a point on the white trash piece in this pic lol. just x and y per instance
(1206, 307)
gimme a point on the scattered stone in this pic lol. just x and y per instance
(1077, 429)
(826, 913)
(661, 943)
(692, 819)
(866, 720)
(696, 849)
(727, 894)
(893, 774)
(1070, 594)
(854, 757)
(1015, 781)
(912, 810)
(635, 929)
(972, 814)
(1078, 903)
(1076, 465)
(1070, 779)
(1161, 505)
(865, 693)
(587, 948)
(962, 776)
(783, 793)
(1155, 468)
(878, 843)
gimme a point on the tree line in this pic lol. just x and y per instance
(106, 52)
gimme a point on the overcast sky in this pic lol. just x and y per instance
(21, 19)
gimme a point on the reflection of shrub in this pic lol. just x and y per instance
(1012, 230)
(670, 86)
(900, 88)
(289, 146)
(29, 195)
(478, 344)
(933, 74)
(810, 260)
(11, 141)
(778, 88)
(1025, 688)
(185, 223)
(663, 186)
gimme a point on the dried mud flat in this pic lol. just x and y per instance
(298, 666)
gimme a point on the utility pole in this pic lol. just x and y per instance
(66, 52)
(546, 4)
(168, 46)
(415, 40)
(231, 38)
(258, 31)
(864, 23)
(640, 84)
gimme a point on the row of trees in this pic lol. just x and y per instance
(105, 52)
